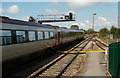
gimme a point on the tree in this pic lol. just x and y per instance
(89, 31)
(113, 30)
(74, 27)
(103, 32)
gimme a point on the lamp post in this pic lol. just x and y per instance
(93, 30)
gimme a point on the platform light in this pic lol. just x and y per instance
(93, 30)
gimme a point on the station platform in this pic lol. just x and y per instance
(95, 65)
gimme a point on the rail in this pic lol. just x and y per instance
(44, 68)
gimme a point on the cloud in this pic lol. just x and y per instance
(25, 18)
(99, 23)
(14, 9)
(1, 11)
(102, 18)
(52, 11)
(82, 0)
(55, 2)
(76, 24)
(81, 25)
(87, 22)
(79, 5)
(102, 21)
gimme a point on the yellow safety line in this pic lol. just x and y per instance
(80, 51)
(93, 51)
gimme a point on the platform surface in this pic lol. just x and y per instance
(94, 64)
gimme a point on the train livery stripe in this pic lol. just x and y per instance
(29, 25)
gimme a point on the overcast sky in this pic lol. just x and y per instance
(107, 12)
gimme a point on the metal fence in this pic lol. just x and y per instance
(114, 59)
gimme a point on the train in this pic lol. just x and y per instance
(23, 38)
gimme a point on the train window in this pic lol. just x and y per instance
(31, 35)
(51, 35)
(40, 35)
(20, 36)
(5, 37)
(46, 35)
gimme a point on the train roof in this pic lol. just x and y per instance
(20, 22)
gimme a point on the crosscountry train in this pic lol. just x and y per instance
(21, 38)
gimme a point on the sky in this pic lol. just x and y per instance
(107, 12)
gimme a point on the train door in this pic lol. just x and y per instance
(58, 37)
(62, 37)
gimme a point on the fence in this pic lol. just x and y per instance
(114, 59)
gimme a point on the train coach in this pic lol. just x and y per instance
(22, 38)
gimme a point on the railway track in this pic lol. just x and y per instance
(100, 44)
(64, 65)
